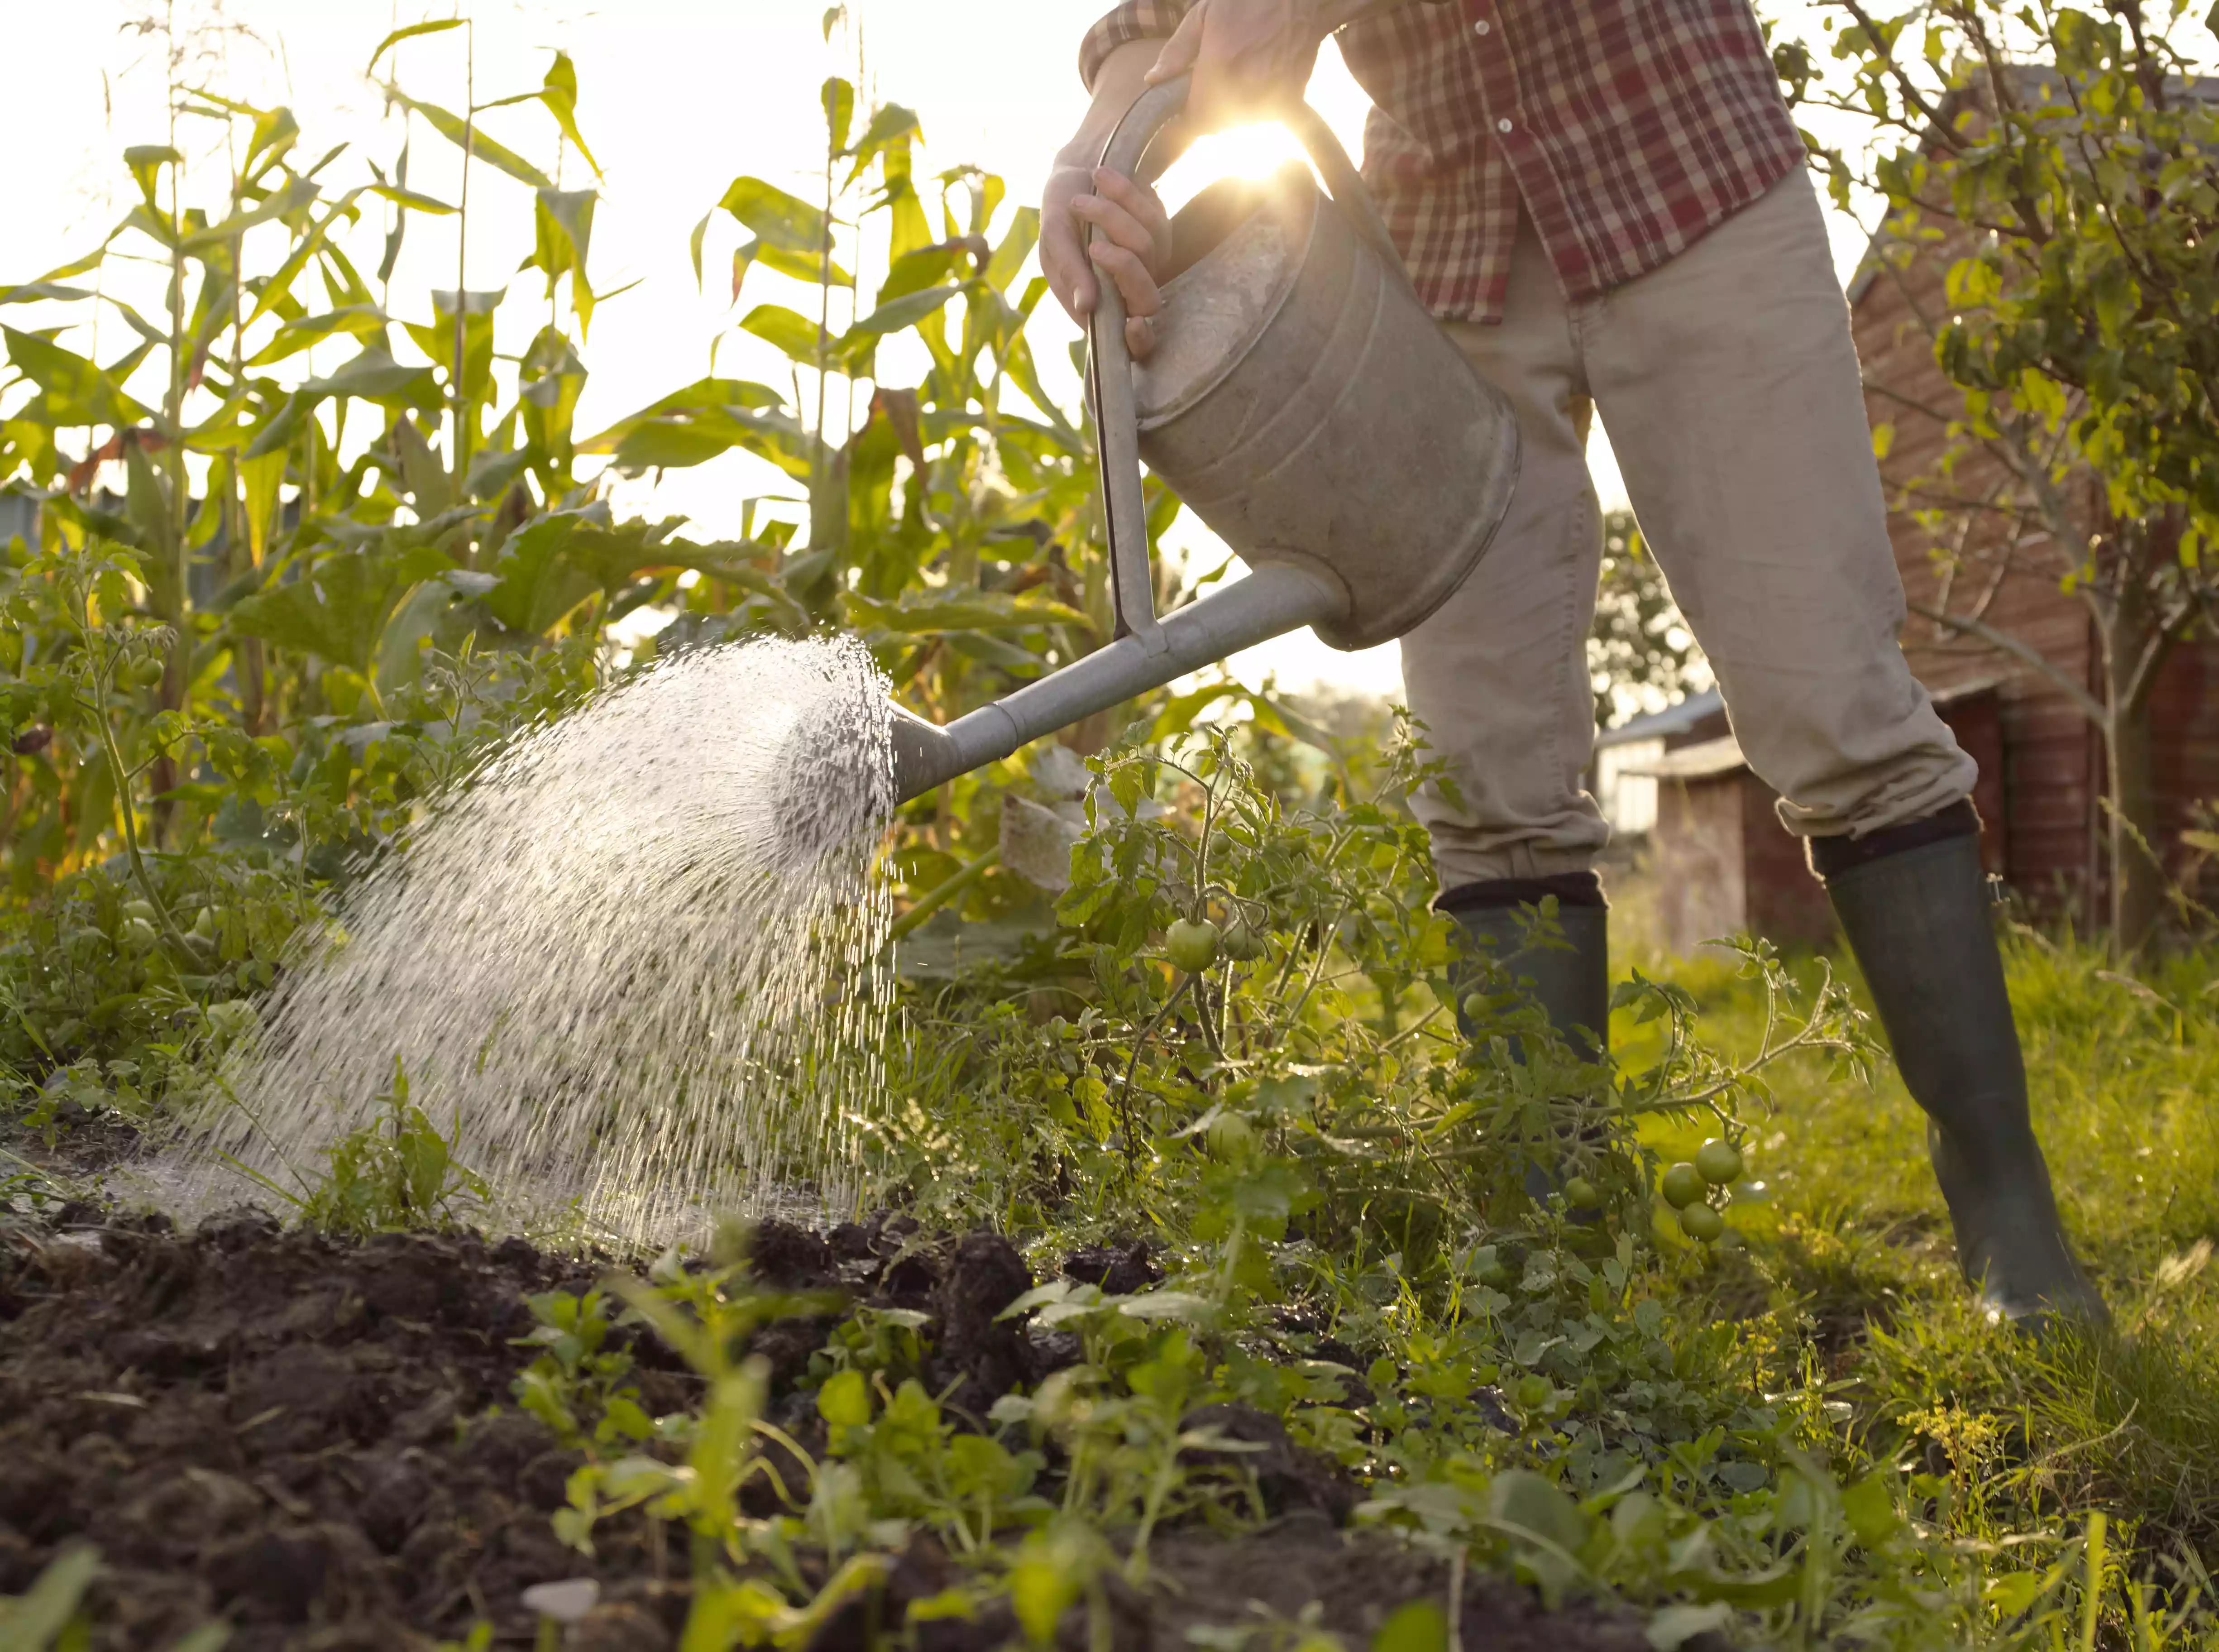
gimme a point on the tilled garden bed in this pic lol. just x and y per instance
(316, 1442)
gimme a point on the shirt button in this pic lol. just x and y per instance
(1502, 125)
(1482, 27)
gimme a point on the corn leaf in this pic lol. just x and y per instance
(409, 32)
(472, 142)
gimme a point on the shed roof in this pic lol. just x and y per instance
(1705, 760)
(1673, 719)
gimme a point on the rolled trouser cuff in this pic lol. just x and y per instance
(1831, 857)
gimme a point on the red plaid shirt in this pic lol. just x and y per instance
(1627, 127)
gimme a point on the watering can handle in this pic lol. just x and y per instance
(1116, 423)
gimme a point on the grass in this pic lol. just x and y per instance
(2123, 1077)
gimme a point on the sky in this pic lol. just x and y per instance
(676, 97)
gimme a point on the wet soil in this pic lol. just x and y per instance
(315, 1441)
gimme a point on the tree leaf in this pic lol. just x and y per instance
(693, 246)
(278, 287)
(1414, 1626)
(979, 610)
(537, 585)
(260, 477)
(1017, 246)
(892, 127)
(32, 292)
(812, 266)
(1673, 1627)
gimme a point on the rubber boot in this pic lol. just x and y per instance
(1570, 983)
(1914, 904)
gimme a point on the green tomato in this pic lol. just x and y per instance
(1701, 1223)
(138, 934)
(1719, 1161)
(204, 925)
(1242, 943)
(143, 910)
(1682, 1185)
(1230, 1137)
(1191, 947)
(1580, 1194)
(146, 673)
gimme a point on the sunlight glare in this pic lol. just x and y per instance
(1246, 152)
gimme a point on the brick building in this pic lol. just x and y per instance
(2042, 758)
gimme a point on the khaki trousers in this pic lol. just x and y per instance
(1729, 385)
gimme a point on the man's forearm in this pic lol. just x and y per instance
(1117, 85)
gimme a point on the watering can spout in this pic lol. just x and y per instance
(1278, 598)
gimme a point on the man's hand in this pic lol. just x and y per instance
(1134, 241)
(1247, 56)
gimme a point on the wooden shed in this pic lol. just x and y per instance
(1720, 862)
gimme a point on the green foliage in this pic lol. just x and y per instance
(249, 688)
(48, 1617)
(576, 1385)
(225, 707)
(2051, 166)
(1641, 655)
(393, 1175)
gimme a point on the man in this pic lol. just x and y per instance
(1605, 203)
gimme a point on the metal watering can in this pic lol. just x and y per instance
(1304, 404)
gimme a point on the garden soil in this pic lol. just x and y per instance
(313, 1440)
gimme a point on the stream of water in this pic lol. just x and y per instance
(633, 964)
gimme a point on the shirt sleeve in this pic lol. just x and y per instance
(1135, 20)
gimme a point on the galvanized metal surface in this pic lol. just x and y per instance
(1317, 414)
(1302, 402)
(1269, 603)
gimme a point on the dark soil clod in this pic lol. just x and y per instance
(262, 1426)
(1119, 1270)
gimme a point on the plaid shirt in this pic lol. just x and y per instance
(1627, 127)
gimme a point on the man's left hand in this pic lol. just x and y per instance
(1248, 57)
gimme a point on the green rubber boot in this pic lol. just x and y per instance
(1571, 983)
(1913, 903)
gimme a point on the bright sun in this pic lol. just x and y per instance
(1246, 152)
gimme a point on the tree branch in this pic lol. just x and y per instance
(2089, 707)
